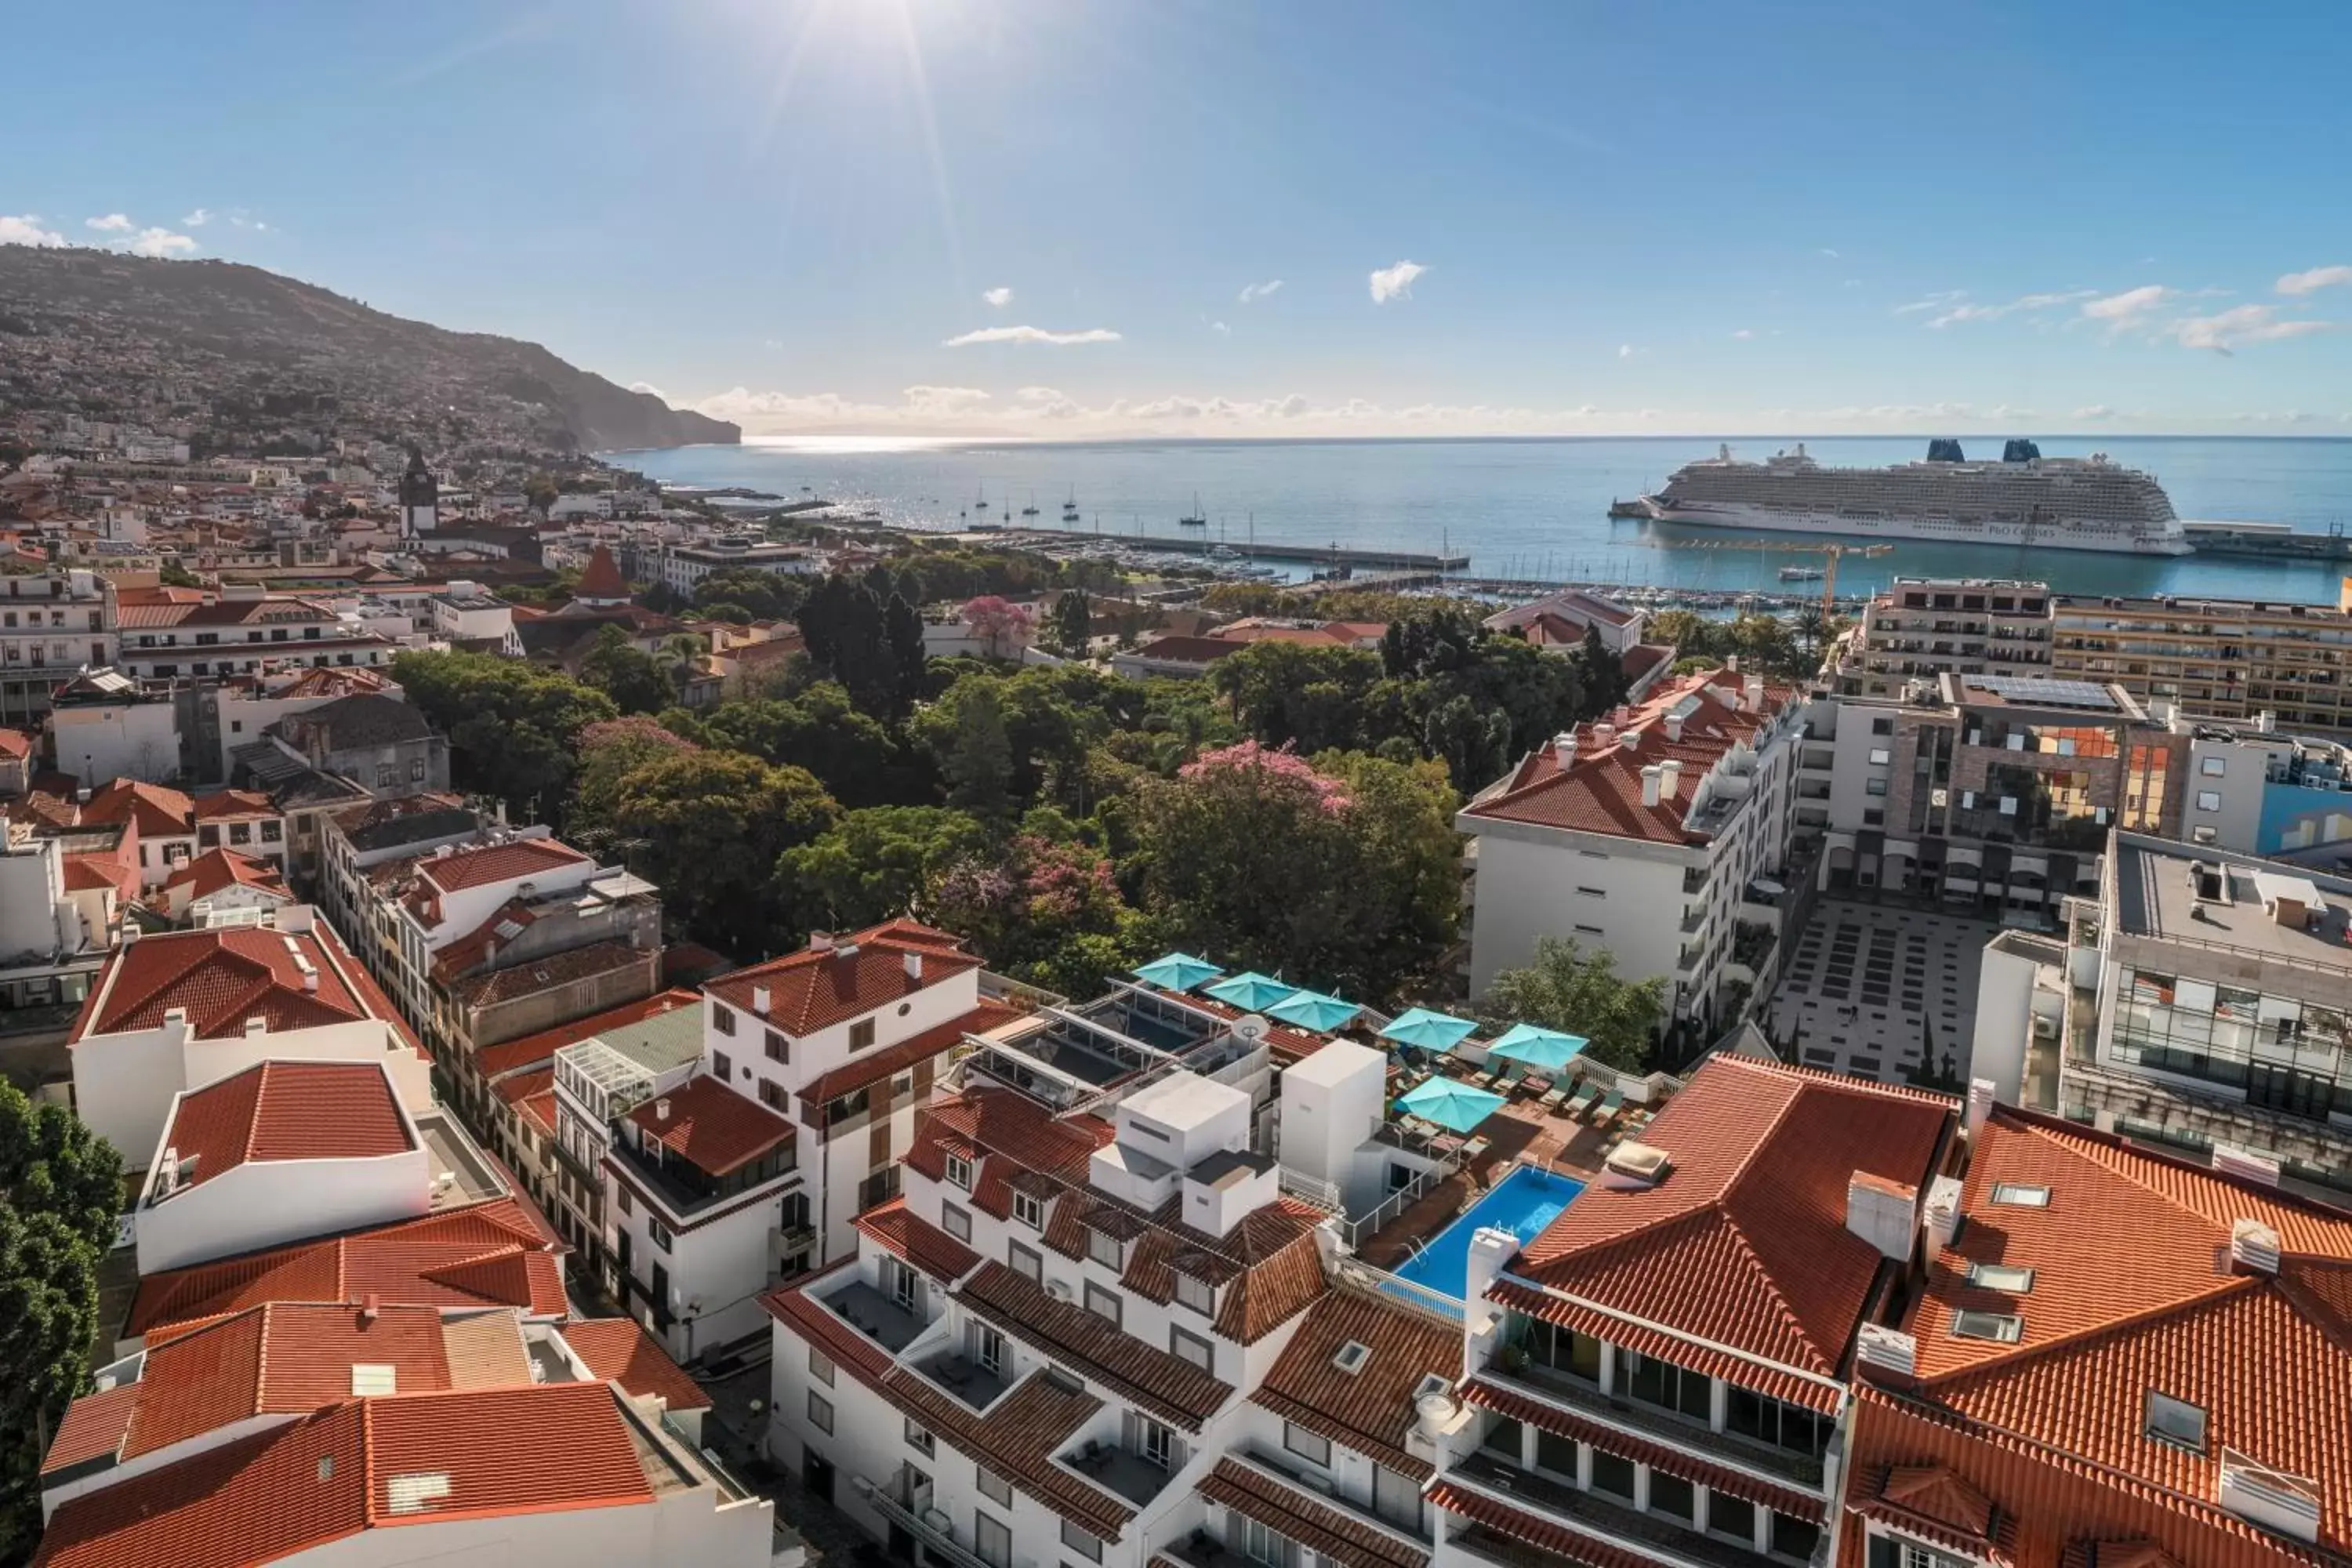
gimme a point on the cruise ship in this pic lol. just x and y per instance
(2025, 500)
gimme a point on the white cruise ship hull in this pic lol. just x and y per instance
(1926, 527)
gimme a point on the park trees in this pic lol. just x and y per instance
(1566, 988)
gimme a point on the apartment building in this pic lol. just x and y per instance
(2114, 1355)
(1654, 834)
(1662, 1374)
(243, 631)
(1919, 628)
(2222, 658)
(355, 840)
(2257, 790)
(179, 1010)
(54, 623)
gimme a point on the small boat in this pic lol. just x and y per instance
(981, 504)
(1070, 507)
(1223, 552)
(1196, 520)
(1801, 573)
(1031, 509)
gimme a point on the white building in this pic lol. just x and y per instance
(52, 625)
(1653, 833)
(465, 613)
(682, 566)
(182, 1009)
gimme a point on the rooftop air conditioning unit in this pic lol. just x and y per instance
(1057, 1289)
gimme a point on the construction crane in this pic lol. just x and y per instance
(1831, 554)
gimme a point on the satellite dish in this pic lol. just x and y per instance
(1251, 1027)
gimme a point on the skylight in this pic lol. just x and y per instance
(2175, 1421)
(1352, 1356)
(2000, 1328)
(372, 1377)
(2021, 1195)
(2001, 1277)
(416, 1492)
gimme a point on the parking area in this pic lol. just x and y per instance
(1873, 988)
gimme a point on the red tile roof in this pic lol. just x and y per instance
(215, 870)
(917, 1241)
(1744, 1243)
(1601, 792)
(490, 1452)
(93, 1428)
(287, 1111)
(710, 1126)
(620, 1350)
(491, 1254)
(227, 805)
(477, 866)
(602, 578)
(16, 744)
(1166, 1384)
(1331, 1535)
(873, 1068)
(157, 811)
(1370, 1409)
(815, 988)
(1551, 1534)
(495, 1061)
(1199, 650)
(99, 871)
(223, 977)
(2131, 1291)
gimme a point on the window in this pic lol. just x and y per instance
(778, 1051)
(2209, 800)
(773, 1095)
(1260, 1545)
(2204, 835)
(1087, 1546)
(1594, 892)
(919, 1440)
(820, 1411)
(1748, 1413)
(2001, 1327)
(988, 1348)
(720, 1068)
(1104, 1248)
(1103, 1303)
(1873, 786)
(960, 1171)
(956, 1221)
(993, 1486)
(1564, 1350)
(1880, 756)
(271, 832)
(1025, 1261)
(1873, 816)
(2175, 1421)
(2019, 1195)
(861, 1033)
(1192, 1347)
(1556, 1454)
(722, 1019)
(2213, 767)
(1673, 1496)
(1029, 1210)
(1612, 1475)
(991, 1540)
(1154, 1442)
(1195, 1294)
(1314, 1450)
(621, 1197)
(837, 1111)
(1882, 726)
(386, 775)
(1668, 1386)
(1731, 1516)
(657, 1232)
(2005, 1277)
(1793, 1538)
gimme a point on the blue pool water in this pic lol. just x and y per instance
(1522, 1203)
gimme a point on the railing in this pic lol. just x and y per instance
(1397, 1289)
(1242, 1069)
(941, 1543)
(1315, 1190)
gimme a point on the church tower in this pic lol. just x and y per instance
(420, 498)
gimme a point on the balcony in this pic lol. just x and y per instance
(1651, 1535)
(1202, 1549)
(684, 1191)
(1799, 1469)
(1128, 1474)
(875, 1316)
(1290, 1473)
(963, 1377)
(940, 1544)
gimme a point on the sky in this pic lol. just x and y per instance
(1067, 219)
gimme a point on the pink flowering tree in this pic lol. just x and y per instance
(1003, 628)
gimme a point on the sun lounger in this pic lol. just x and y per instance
(1553, 1096)
(1606, 1111)
(1580, 1102)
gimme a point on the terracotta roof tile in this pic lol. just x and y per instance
(1556, 1540)
(215, 870)
(288, 1110)
(1166, 1384)
(918, 1242)
(477, 867)
(601, 578)
(871, 1068)
(92, 1429)
(1744, 1243)
(156, 810)
(814, 989)
(710, 1126)
(1295, 1515)
(495, 1061)
(222, 978)
(619, 1349)
(1370, 1409)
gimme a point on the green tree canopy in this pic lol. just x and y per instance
(875, 864)
(856, 757)
(626, 673)
(711, 824)
(1568, 988)
(514, 727)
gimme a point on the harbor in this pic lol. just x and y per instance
(1322, 555)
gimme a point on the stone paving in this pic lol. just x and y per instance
(1870, 985)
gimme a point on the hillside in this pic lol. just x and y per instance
(251, 358)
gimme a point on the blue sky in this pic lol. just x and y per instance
(1573, 216)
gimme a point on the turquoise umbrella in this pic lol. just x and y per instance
(1178, 971)
(1313, 1010)
(1430, 1031)
(1459, 1106)
(1250, 990)
(1546, 1050)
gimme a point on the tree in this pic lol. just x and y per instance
(626, 673)
(978, 763)
(1070, 626)
(609, 751)
(849, 640)
(172, 575)
(712, 824)
(677, 660)
(1566, 988)
(903, 630)
(873, 865)
(514, 727)
(762, 596)
(60, 1189)
(1298, 695)
(1602, 674)
(854, 755)
(1002, 626)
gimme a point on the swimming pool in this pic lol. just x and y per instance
(1522, 1203)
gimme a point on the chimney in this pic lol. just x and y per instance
(914, 961)
(1980, 1093)
(1674, 727)
(846, 952)
(1888, 1356)
(1563, 749)
(255, 1026)
(371, 1308)
(1731, 663)
(1941, 1217)
(2253, 1247)
(1605, 734)
(2245, 1164)
(1670, 776)
(820, 942)
(760, 997)
(661, 1109)
(1755, 688)
(1650, 784)
(1882, 1213)
(1628, 740)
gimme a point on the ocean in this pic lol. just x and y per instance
(1524, 508)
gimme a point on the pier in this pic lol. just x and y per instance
(1259, 550)
(2267, 541)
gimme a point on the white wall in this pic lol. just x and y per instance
(35, 916)
(122, 740)
(682, 1527)
(1527, 887)
(272, 1203)
(2004, 1022)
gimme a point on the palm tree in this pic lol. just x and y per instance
(677, 658)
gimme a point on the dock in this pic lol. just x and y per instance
(2267, 541)
(1259, 550)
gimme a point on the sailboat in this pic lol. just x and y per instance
(981, 504)
(1031, 509)
(1070, 507)
(1195, 520)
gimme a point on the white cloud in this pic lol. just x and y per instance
(1220, 329)
(196, 219)
(2094, 411)
(162, 242)
(1254, 291)
(1939, 300)
(2311, 282)
(112, 223)
(1395, 282)
(998, 297)
(648, 386)
(1031, 335)
(1827, 252)
(1743, 334)
(1626, 350)
(943, 401)
(1962, 310)
(2128, 309)
(2010, 411)
(24, 228)
(2243, 324)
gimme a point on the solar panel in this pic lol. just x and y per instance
(2050, 693)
